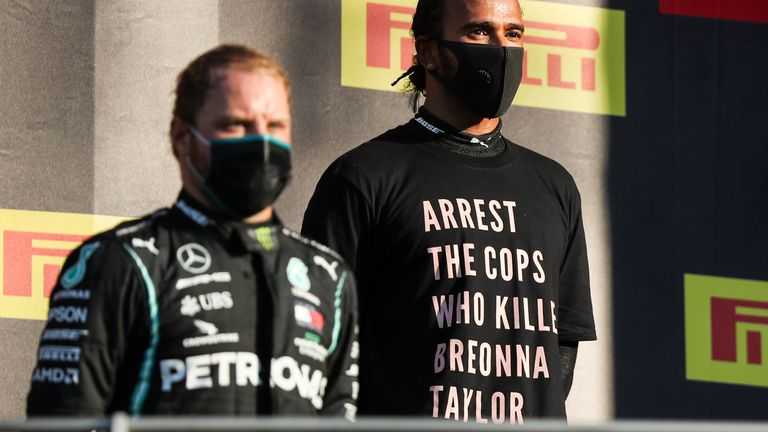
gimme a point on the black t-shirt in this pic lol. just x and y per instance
(472, 269)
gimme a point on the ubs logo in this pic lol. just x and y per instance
(193, 258)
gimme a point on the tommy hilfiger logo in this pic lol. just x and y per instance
(308, 316)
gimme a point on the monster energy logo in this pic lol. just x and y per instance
(264, 236)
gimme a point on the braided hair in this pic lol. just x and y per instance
(428, 22)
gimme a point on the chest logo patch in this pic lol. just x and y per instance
(193, 258)
(309, 317)
(329, 267)
(191, 305)
(205, 327)
(148, 244)
(75, 274)
(297, 274)
(212, 336)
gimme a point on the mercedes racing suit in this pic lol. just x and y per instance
(179, 312)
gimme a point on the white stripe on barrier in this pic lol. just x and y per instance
(122, 423)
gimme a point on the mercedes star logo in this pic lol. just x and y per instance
(193, 258)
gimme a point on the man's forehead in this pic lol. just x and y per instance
(248, 81)
(496, 11)
(244, 93)
(233, 73)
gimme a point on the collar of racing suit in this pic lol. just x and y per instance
(258, 237)
(452, 139)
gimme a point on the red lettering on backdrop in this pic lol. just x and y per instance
(736, 10)
(527, 79)
(573, 37)
(588, 74)
(17, 260)
(554, 73)
(755, 355)
(378, 47)
(407, 51)
(586, 38)
(380, 24)
(724, 320)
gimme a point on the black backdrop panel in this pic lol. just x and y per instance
(688, 194)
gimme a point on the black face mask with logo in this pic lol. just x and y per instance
(486, 78)
(247, 173)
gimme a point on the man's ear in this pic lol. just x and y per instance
(426, 53)
(180, 138)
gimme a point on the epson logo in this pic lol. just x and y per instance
(68, 314)
(224, 369)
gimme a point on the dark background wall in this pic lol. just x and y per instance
(688, 186)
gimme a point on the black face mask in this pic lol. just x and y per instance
(247, 174)
(487, 76)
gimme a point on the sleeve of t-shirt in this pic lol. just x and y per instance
(338, 214)
(575, 321)
(342, 388)
(93, 307)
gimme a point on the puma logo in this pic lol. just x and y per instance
(330, 268)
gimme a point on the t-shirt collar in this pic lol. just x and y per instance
(488, 144)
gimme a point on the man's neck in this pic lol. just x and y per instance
(448, 109)
(262, 216)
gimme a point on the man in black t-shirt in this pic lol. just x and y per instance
(468, 249)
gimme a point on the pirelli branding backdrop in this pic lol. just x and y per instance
(574, 55)
(33, 246)
(726, 330)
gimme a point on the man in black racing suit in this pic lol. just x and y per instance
(211, 306)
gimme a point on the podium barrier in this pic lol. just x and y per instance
(120, 422)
